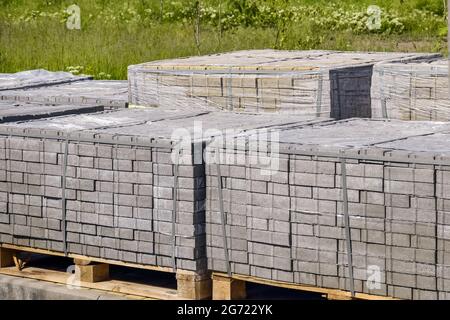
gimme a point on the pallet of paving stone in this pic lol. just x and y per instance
(107, 185)
(411, 91)
(321, 83)
(11, 111)
(108, 93)
(359, 184)
(36, 78)
(97, 199)
(427, 253)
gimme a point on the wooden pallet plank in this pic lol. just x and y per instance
(88, 258)
(91, 270)
(197, 287)
(332, 294)
(6, 257)
(226, 288)
(110, 286)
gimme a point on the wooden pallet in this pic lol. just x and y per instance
(234, 287)
(93, 273)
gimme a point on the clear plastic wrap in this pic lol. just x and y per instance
(108, 93)
(319, 83)
(411, 91)
(33, 78)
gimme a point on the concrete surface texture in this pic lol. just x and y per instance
(110, 94)
(321, 83)
(411, 91)
(13, 288)
(289, 225)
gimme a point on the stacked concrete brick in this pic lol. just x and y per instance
(289, 225)
(18, 111)
(110, 94)
(111, 211)
(411, 91)
(36, 78)
(321, 83)
(423, 239)
(112, 194)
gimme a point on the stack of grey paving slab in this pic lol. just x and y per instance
(108, 93)
(36, 78)
(288, 222)
(106, 184)
(14, 107)
(426, 221)
(321, 83)
(414, 90)
(19, 111)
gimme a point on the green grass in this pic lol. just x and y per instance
(117, 33)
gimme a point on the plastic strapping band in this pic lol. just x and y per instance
(84, 139)
(153, 184)
(347, 224)
(134, 98)
(206, 82)
(227, 70)
(394, 158)
(222, 213)
(339, 104)
(441, 71)
(229, 91)
(382, 97)
(63, 195)
(439, 268)
(9, 187)
(115, 207)
(158, 95)
(45, 187)
(412, 100)
(174, 209)
(435, 103)
(319, 95)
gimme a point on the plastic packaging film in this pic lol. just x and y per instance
(411, 91)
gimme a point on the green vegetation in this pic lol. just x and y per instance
(117, 33)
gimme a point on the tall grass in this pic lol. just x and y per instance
(115, 33)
